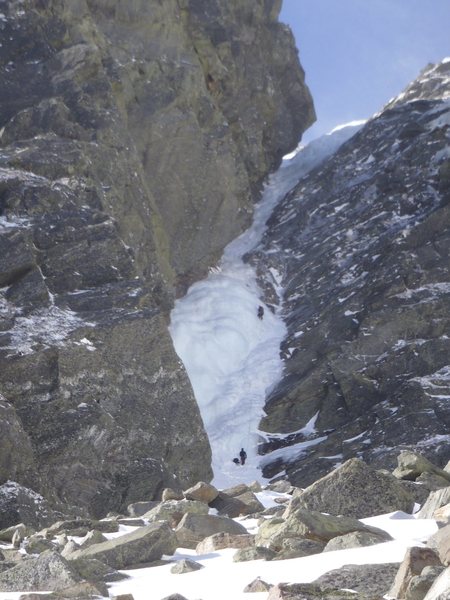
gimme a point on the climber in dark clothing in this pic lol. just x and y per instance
(260, 312)
(242, 456)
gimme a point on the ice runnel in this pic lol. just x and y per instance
(230, 354)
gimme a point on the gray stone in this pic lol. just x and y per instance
(301, 523)
(440, 541)
(202, 492)
(253, 553)
(432, 481)
(257, 585)
(367, 580)
(185, 566)
(37, 545)
(137, 509)
(435, 500)
(354, 490)
(170, 494)
(144, 545)
(172, 511)
(193, 528)
(411, 465)
(440, 590)
(91, 538)
(420, 584)
(356, 539)
(49, 571)
(96, 571)
(6, 535)
(298, 547)
(416, 559)
(219, 541)
(19, 504)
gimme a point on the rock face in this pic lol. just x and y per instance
(361, 247)
(134, 136)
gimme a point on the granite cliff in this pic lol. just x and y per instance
(134, 139)
(361, 248)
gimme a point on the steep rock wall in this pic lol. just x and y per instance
(361, 246)
(122, 176)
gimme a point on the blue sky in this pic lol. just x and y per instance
(358, 54)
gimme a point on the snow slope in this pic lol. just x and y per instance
(231, 356)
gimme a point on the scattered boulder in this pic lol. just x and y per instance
(138, 509)
(420, 584)
(6, 535)
(123, 597)
(91, 538)
(173, 511)
(415, 560)
(302, 523)
(309, 591)
(253, 553)
(244, 502)
(19, 504)
(356, 539)
(37, 545)
(202, 492)
(435, 500)
(174, 597)
(440, 542)
(440, 590)
(257, 585)
(253, 505)
(432, 481)
(81, 526)
(442, 515)
(144, 545)
(222, 540)
(94, 570)
(282, 486)
(298, 547)
(411, 465)
(49, 571)
(355, 490)
(185, 566)
(369, 581)
(69, 548)
(193, 528)
(170, 494)
(255, 486)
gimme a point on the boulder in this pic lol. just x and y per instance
(442, 515)
(415, 560)
(440, 590)
(174, 597)
(253, 553)
(371, 581)
(194, 528)
(137, 509)
(435, 500)
(356, 539)
(355, 490)
(96, 571)
(219, 541)
(228, 505)
(282, 486)
(123, 597)
(6, 535)
(37, 545)
(91, 538)
(251, 502)
(49, 571)
(312, 525)
(420, 584)
(19, 504)
(185, 566)
(171, 494)
(83, 526)
(440, 542)
(144, 545)
(172, 511)
(202, 492)
(411, 465)
(299, 547)
(432, 481)
(257, 585)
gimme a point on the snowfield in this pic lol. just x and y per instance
(223, 579)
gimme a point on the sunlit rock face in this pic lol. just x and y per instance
(129, 157)
(361, 247)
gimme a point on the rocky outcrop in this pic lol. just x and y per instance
(360, 248)
(134, 137)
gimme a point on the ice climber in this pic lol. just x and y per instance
(242, 456)
(260, 312)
